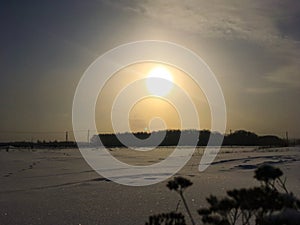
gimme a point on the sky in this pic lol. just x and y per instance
(252, 46)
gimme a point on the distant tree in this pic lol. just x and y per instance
(204, 137)
(271, 140)
(201, 137)
(242, 138)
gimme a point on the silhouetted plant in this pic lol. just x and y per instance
(256, 205)
(262, 205)
(171, 218)
(269, 175)
(179, 184)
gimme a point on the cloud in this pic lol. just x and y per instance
(263, 90)
(285, 77)
(270, 24)
(251, 20)
(288, 75)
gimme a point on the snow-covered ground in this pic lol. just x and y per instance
(58, 187)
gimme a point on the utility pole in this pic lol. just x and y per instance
(67, 136)
(88, 136)
(287, 138)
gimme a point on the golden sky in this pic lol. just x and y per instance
(153, 106)
(251, 46)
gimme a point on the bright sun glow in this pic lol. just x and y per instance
(161, 86)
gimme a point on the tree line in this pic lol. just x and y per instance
(172, 138)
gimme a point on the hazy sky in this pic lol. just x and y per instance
(252, 46)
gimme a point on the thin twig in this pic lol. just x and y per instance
(177, 206)
(187, 208)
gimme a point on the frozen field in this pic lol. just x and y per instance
(58, 187)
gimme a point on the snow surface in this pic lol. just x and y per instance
(52, 186)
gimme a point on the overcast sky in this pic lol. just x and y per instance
(252, 46)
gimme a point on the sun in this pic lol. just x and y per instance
(159, 81)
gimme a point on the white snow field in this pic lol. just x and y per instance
(57, 186)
